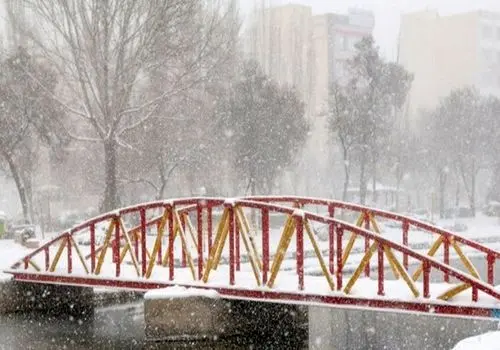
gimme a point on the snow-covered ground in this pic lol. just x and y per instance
(486, 341)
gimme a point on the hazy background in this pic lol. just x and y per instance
(387, 13)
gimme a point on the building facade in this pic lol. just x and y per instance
(449, 52)
(309, 52)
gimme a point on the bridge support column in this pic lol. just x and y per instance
(337, 328)
(203, 315)
(45, 298)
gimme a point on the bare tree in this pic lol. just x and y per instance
(461, 130)
(28, 118)
(109, 50)
(362, 110)
(264, 124)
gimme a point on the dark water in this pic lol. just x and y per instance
(118, 327)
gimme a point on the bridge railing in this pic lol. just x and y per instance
(446, 238)
(233, 233)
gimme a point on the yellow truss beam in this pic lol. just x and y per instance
(286, 237)
(318, 255)
(220, 236)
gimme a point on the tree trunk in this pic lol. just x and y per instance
(442, 188)
(20, 186)
(494, 192)
(111, 200)
(472, 194)
(362, 179)
(347, 175)
(398, 186)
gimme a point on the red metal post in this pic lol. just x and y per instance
(426, 279)
(209, 227)
(380, 265)
(160, 244)
(231, 246)
(491, 268)
(265, 244)
(116, 251)
(367, 243)
(406, 227)
(26, 263)
(300, 250)
(199, 217)
(144, 256)
(237, 245)
(340, 233)
(47, 259)
(331, 239)
(446, 257)
(474, 293)
(135, 239)
(183, 253)
(70, 254)
(170, 218)
(92, 248)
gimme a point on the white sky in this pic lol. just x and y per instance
(387, 12)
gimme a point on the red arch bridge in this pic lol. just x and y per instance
(282, 249)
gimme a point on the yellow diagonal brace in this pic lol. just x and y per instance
(431, 252)
(360, 267)
(184, 244)
(220, 247)
(390, 257)
(156, 247)
(105, 245)
(219, 240)
(80, 255)
(129, 245)
(190, 227)
(58, 254)
(465, 260)
(248, 248)
(352, 239)
(401, 271)
(35, 266)
(286, 237)
(454, 291)
(250, 236)
(318, 255)
(171, 243)
(245, 236)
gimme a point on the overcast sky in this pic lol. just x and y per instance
(387, 12)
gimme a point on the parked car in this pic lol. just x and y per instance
(492, 209)
(23, 232)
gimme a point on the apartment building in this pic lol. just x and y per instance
(280, 40)
(334, 39)
(449, 52)
(308, 51)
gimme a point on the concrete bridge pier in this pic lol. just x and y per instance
(45, 298)
(206, 316)
(334, 328)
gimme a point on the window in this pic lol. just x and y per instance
(487, 55)
(341, 42)
(487, 32)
